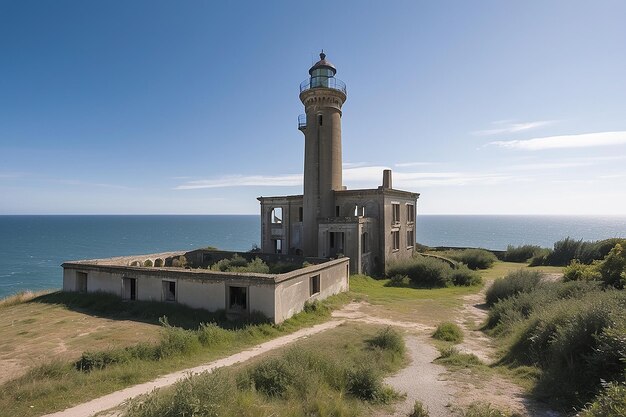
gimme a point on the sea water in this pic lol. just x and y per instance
(32, 248)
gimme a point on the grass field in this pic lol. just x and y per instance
(54, 383)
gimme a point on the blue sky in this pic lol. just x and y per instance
(483, 107)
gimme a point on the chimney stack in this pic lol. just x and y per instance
(387, 179)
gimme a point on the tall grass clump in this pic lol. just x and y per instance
(610, 402)
(419, 410)
(388, 339)
(521, 253)
(474, 258)
(448, 332)
(514, 283)
(427, 272)
(481, 409)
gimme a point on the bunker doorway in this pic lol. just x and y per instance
(130, 288)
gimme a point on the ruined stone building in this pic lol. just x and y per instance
(370, 226)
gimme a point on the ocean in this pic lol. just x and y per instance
(32, 248)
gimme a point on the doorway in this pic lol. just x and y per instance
(130, 289)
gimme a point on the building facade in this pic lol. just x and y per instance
(370, 226)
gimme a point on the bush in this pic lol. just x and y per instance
(520, 253)
(462, 276)
(577, 271)
(365, 383)
(578, 342)
(474, 258)
(147, 263)
(210, 334)
(448, 332)
(451, 356)
(422, 271)
(419, 410)
(613, 268)
(568, 249)
(512, 284)
(388, 339)
(398, 281)
(611, 402)
(316, 306)
(272, 377)
(179, 262)
(158, 262)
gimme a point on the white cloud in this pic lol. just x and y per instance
(506, 126)
(585, 140)
(288, 180)
(414, 164)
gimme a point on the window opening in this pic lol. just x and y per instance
(314, 285)
(277, 215)
(410, 213)
(410, 238)
(395, 212)
(237, 298)
(300, 214)
(278, 245)
(319, 119)
(337, 211)
(365, 243)
(169, 290)
(395, 237)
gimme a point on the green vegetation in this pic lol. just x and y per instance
(158, 263)
(514, 283)
(59, 384)
(419, 410)
(521, 253)
(610, 402)
(388, 339)
(611, 271)
(428, 272)
(480, 409)
(301, 381)
(573, 332)
(450, 356)
(474, 258)
(238, 263)
(568, 249)
(448, 332)
(179, 262)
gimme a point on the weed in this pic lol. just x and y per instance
(448, 332)
(419, 410)
(389, 339)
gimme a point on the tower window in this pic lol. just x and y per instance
(365, 243)
(277, 215)
(300, 214)
(410, 213)
(336, 211)
(320, 120)
(395, 212)
(395, 239)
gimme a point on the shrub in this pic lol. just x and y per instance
(577, 271)
(578, 342)
(448, 332)
(474, 258)
(540, 257)
(568, 249)
(388, 339)
(422, 271)
(398, 281)
(210, 334)
(519, 253)
(462, 276)
(512, 284)
(158, 262)
(316, 306)
(179, 262)
(613, 268)
(272, 377)
(451, 356)
(419, 410)
(255, 266)
(611, 402)
(365, 383)
(147, 263)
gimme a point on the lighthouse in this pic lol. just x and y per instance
(322, 95)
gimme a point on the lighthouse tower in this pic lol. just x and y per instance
(322, 95)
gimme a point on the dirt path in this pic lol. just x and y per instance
(116, 398)
(423, 380)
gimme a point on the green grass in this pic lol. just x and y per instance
(293, 381)
(448, 332)
(60, 384)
